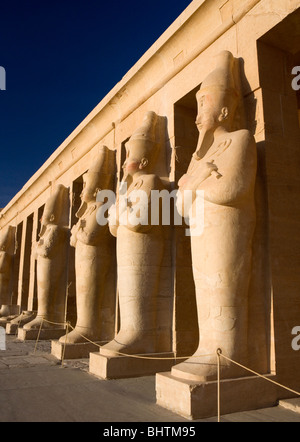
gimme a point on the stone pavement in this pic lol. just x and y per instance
(34, 387)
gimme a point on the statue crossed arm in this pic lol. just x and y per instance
(225, 179)
(223, 168)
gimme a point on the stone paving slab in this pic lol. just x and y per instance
(35, 387)
(291, 404)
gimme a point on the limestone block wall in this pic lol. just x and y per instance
(262, 35)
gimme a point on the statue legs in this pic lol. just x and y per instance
(51, 294)
(92, 267)
(139, 263)
(222, 268)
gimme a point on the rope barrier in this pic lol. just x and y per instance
(119, 353)
(18, 324)
(138, 356)
(219, 355)
(40, 329)
(219, 386)
(19, 321)
(64, 348)
(38, 336)
(260, 375)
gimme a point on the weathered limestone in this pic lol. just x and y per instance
(253, 309)
(52, 255)
(7, 251)
(93, 259)
(18, 322)
(140, 251)
(194, 400)
(224, 169)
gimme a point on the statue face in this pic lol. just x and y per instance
(134, 161)
(131, 166)
(47, 218)
(215, 108)
(209, 110)
(88, 191)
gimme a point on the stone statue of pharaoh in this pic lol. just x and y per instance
(7, 251)
(93, 256)
(52, 257)
(140, 246)
(224, 168)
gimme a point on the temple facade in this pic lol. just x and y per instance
(163, 293)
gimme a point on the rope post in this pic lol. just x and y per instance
(18, 325)
(219, 352)
(65, 343)
(38, 336)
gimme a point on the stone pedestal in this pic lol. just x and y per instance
(44, 334)
(121, 367)
(194, 400)
(73, 351)
(13, 311)
(11, 329)
(13, 326)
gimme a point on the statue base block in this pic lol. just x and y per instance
(5, 321)
(11, 329)
(73, 351)
(19, 322)
(12, 311)
(121, 367)
(194, 400)
(43, 335)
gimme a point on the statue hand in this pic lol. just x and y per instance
(82, 223)
(191, 182)
(211, 167)
(207, 169)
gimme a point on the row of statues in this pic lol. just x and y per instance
(223, 169)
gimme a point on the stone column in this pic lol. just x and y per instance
(52, 255)
(94, 258)
(7, 251)
(29, 313)
(143, 255)
(24, 269)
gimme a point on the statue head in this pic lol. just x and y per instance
(218, 96)
(55, 208)
(7, 240)
(141, 149)
(100, 176)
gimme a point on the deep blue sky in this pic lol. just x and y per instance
(61, 58)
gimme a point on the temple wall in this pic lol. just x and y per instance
(261, 34)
